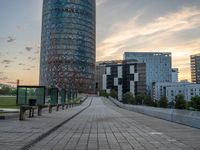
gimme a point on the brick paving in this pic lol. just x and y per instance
(103, 126)
(15, 134)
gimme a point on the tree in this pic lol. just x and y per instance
(13, 91)
(128, 98)
(103, 93)
(113, 94)
(141, 98)
(171, 104)
(195, 102)
(180, 102)
(163, 102)
(5, 90)
(148, 101)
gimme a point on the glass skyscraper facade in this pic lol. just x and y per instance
(68, 44)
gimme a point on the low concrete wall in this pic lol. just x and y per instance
(190, 118)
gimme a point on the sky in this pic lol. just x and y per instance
(122, 26)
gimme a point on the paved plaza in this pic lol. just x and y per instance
(103, 126)
(99, 125)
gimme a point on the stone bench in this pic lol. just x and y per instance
(31, 110)
(23, 110)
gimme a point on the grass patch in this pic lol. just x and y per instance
(8, 102)
(74, 101)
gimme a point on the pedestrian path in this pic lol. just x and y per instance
(104, 126)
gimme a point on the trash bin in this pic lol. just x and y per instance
(32, 102)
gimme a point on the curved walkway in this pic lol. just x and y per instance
(105, 126)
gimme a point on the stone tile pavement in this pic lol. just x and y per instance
(185, 134)
(15, 134)
(104, 126)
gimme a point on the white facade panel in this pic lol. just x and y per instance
(136, 77)
(104, 86)
(132, 69)
(120, 92)
(119, 71)
(108, 70)
(132, 87)
(115, 81)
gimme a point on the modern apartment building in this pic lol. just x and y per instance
(68, 44)
(101, 69)
(158, 66)
(129, 76)
(175, 73)
(171, 89)
(195, 68)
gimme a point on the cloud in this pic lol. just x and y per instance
(10, 39)
(27, 69)
(6, 66)
(37, 52)
(136, 35)
(1, 73)
(100, 2)
(32, 58)
(3, 78)
(33, 66)
(6, 61)
(21, 64)
(11, 82)
(28, 48)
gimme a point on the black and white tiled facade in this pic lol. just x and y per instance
(125, 77)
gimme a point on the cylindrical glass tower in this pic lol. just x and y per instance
(68, 44)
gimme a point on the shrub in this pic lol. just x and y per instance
(128, 98)
(141, 98)
(148, 101)
(195, 102)
(103, 93)
(113, 94)
(163, 102)
(180, 102)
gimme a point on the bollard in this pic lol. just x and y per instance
(39, 110)
(57, 107)
(50, 108)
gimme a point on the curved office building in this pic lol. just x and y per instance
(68, 44)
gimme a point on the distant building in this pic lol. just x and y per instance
(171, 89)
(158, 66)
(100, 69)
(175, 74)
(195, 68)
(129, 76)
